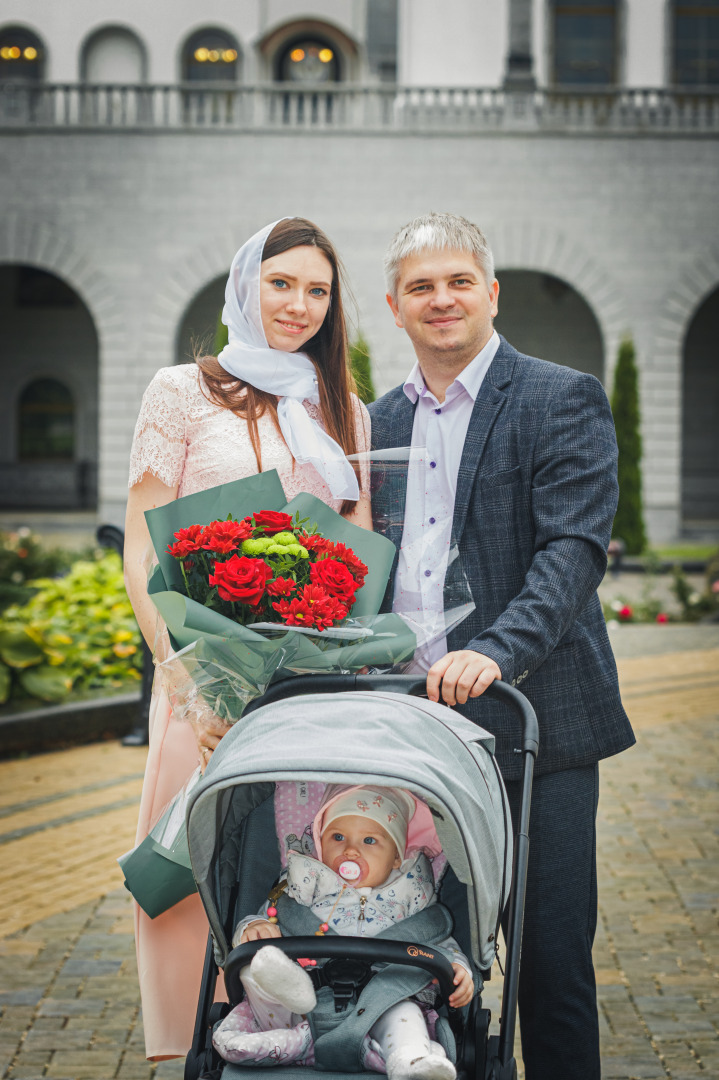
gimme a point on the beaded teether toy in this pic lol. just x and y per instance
(349, 870)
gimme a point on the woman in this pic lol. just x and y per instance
(279, 396)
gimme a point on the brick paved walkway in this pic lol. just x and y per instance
(69, 998)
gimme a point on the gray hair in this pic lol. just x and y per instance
(437, 232)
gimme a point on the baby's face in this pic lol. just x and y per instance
(363, 842)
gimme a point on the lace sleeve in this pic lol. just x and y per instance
(159, 443)
(363, 435)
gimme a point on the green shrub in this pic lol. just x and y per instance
(361, 363)
(22, 559)
(629, 520)
(78, 632)
(221, 336)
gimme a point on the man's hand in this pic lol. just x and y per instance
(463, 674)
(260, 929)
(465, 987)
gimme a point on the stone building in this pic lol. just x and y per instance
(141, 143)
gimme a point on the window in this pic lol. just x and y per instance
(308, 60)
(210, 56)
(113, 55)
(585, 34)
(46, 422)
(21, 54)
(696, 42)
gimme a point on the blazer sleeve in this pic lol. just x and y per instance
(574, 495)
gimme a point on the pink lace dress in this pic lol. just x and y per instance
(184, 439)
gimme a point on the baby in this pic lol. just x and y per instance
(370, 873)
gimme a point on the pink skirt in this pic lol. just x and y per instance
(170, 948)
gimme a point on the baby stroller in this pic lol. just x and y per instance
(363, 729)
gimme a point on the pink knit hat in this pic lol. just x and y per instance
(421, 834)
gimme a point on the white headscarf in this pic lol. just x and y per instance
(289, 375)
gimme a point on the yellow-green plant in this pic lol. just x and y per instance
(78, 632)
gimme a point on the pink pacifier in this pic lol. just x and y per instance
(349, 870)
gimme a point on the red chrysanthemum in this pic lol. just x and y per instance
(295, 612)
(281, 586)
(224, 537)
(187, 541)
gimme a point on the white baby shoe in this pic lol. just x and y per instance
(406, 1064)
(283, 980)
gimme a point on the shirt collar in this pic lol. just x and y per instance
(470, 378)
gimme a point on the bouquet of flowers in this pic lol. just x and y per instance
(269, 566)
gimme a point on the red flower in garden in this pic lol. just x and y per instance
(187, 541)
(272, 522)
(334, 577)
(625, 613)
(241, 579)
(225, 536)
(281, 586)
(662, 617)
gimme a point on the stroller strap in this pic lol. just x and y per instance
(339, 1033)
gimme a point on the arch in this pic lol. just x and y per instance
(694, 42)
(49, 371)
(113, 54)
(185, 280)
(527, 245)
(279, 42)
(543, 315)
(584, 36)
(700, 412)
(198, 325)
(22, 54)
(210, 54)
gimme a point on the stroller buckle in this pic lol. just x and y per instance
(345, 978)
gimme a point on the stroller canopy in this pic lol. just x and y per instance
(357, 738)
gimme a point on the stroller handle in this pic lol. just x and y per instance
(414, 685)
(372, 951)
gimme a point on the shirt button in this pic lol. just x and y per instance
(431, 521)
(428, 573)
(438, 411)
(433, 464)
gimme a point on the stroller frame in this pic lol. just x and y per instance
(480, 1056)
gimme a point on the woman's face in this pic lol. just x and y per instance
(294, 296)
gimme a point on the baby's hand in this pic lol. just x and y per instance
(465, 987)
(260, 929)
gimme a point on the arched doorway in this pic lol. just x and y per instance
(700, 420)
(198, 329)
(49, 407)
(542, 315)
(113, 54)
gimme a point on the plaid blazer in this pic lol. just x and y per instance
(536, 497)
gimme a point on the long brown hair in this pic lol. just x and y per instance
(328, 350)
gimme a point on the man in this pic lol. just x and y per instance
(520, 474)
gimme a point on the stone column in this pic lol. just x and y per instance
(519, 74)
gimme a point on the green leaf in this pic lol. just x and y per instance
(18, 650)
(5, 683)
(46, 683)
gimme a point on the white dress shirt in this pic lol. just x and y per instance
(439, 429)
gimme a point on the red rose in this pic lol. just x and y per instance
(241, 579)
(188, 540)
(225, 536)
(281, 586)
(334, 578)
(272, 522)
(355, 565)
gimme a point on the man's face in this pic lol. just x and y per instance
(445, 305)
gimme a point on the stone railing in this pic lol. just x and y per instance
(232, 108)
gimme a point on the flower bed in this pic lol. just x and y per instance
(76, 633)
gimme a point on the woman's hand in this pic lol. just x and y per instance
(208, 729)
(259, 929)
(465, 987)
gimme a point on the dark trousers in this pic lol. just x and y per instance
(557, 991)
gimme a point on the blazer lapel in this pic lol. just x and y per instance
(487, 407)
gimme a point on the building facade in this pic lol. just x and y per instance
(140, 144)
